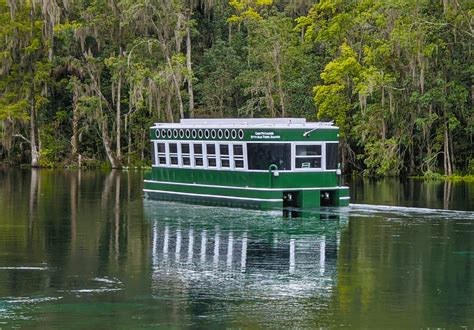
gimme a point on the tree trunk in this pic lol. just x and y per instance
(142, 146)
(280, 92)
(447, 157)
(221, 102)
(129, 147)
(342, 148)
(33, 130)
(178, 95)
(190, 70)
(177, 87)
(75, 125)
(106, 140)
(270, 101)
(118, 119)
(169, 111)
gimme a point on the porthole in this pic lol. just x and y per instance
(206, 134)
(213, 134)
(187, 133)
(200, 133)
(181, 133)
(233, 134)
(157, 133)
(193, 134)
(226, 134)
(241, 134)
(175, 133)
(219, 134)
(169, 133)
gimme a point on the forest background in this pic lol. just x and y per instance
(81, 81)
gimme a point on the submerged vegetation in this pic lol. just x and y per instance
(81, 81)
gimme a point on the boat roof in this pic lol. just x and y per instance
(300, 123)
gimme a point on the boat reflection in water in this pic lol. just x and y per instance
(243, 255)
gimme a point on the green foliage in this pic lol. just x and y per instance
(395, 76)
(381, 158)
(470, 166)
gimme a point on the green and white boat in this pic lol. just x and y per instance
(263, 163)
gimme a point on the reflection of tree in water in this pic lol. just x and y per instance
(73, 225)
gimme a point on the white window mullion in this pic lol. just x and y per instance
(323, 156)
(167, 153)
(231, 156)
(218, 155)
(244, 154)
(191, 154)
(178, 147)
(293, 156)
(204, 155)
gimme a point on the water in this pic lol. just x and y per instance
(83, 249)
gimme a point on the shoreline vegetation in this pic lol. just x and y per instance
(81, 82)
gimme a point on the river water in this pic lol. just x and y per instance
(84, 249)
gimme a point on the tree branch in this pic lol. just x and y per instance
(22, 137)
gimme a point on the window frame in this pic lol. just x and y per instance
(158, 154)
(308, 169)
(178, 154)
(215, 155)
(201, 155)
(239, 157)
(227, 157)
(189, 154)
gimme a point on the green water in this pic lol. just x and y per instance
(83, 249)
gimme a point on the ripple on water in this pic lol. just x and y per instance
(24, 268)
(396, 212)
(29, 300)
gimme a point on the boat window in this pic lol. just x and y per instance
(224, 152)
(173, 153)
(198, 157)
(308, 156)
(308, 150)
(224, 149)
(161, 149)
(331, 156)
(211, 155)
(262, 155)
(185, 155)
(238, 156)
(173, 148)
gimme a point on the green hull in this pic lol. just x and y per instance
(246, 189)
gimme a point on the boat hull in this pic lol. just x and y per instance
(249, 197)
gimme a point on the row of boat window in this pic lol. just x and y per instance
(252, 156)
(220, 134)
(201, 155)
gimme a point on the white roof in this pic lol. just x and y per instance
(246, 123)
